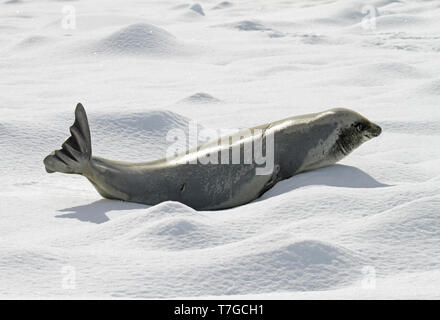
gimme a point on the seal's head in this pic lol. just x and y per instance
(353, 129)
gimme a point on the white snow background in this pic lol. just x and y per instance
(368, 227)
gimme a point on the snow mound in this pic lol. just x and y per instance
(200, 98)
(175, 227)
(175, 233)
(299, 265)
(192, 13)
(154, 121)
(248, 25)
(314, 39)
(140, 136)
(33, 42)
(132, 228)
(198, 9)
(351, 14)
(140, 39)
(403, 228)
(417, 220)
(222, 5)
(167, 209)
(314, 257)
(171, 208)
(252, 25)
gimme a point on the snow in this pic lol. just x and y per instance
(368, 227)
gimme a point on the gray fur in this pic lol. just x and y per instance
(300, 143)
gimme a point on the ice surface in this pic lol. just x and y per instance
(142, 69)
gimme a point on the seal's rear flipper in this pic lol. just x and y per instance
(76, 151)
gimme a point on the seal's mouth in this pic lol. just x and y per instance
(342, 148)
(373, 131)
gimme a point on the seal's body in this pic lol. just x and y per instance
(292, 145)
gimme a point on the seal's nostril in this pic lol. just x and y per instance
(377, 131)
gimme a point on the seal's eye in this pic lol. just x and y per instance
(359, 127)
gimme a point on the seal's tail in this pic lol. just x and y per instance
(76, 151)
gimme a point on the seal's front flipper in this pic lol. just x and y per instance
(76, 152)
